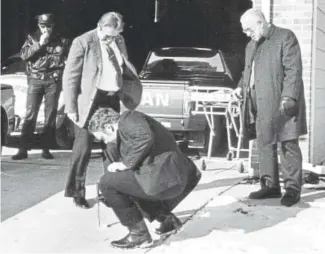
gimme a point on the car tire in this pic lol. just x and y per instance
(4, 128)
(64, 132)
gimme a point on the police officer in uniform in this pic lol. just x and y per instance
(45, 54)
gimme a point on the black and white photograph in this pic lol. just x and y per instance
(162, 126)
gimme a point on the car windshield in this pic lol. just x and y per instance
(199, 61)
(13, 65)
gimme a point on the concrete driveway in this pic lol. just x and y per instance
(27, 182)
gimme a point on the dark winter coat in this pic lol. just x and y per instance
(150, 150)
(47, 61)
(278, 74)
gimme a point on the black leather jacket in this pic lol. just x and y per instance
(47, 61)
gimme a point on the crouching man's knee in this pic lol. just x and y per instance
(102, 185)
(109, 195)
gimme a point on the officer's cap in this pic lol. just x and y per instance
(45, 19)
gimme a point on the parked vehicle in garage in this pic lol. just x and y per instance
(7, 112)
(166, 76)
(13, 74)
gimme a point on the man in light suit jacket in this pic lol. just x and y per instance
(97, 74)
(147, 174)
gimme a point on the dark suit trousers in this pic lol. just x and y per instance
(130, 203)
(291, 161)
(82, 146)
(291, 165)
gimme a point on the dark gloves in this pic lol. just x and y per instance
(288, 107)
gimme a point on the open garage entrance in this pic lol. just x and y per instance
(201, 23)
(192, 23)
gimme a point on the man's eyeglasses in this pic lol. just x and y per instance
(45, 26)
(109, 37)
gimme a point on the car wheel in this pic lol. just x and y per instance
(64, 132)
(4, 128)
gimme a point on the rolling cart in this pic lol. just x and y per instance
(212, 101)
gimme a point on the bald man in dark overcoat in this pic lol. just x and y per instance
(273, 91)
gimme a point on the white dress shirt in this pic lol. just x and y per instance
(110, 78)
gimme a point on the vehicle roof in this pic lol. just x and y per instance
(185, 51)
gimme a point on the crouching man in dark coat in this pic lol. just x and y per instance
(147, 175)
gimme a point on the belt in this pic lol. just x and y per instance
(108, 93)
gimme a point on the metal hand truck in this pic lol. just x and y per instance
(212, 101)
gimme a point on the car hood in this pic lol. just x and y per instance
(19, 85)
(14, 79)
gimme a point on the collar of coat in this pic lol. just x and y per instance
(270, 32)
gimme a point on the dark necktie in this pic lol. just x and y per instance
(113, 59)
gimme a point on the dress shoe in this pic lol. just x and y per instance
(46, 154)
(138, 236)
(266, 192)
(169, 225)
(81, 202)
(290, 198)
(20, 155)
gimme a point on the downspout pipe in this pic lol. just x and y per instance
(156, 11)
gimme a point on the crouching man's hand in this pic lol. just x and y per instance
(116, 166)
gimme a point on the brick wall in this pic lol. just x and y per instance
(317, 146)
(297, 15)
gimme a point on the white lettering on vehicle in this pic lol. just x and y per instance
(155, 100)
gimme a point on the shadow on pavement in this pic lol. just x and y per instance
(247, 215)
(218, 183)
(13, 142)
